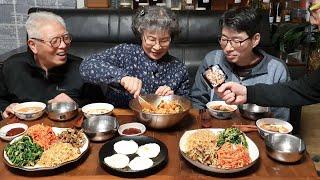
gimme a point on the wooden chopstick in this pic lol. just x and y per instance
(244, 126)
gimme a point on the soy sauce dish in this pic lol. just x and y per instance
(11, 131)
(131, 129)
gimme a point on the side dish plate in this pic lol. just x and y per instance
(57, 131)
(253, 153)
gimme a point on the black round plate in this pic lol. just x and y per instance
(158, 162)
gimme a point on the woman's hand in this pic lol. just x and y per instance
(164, 91)
(132, 84)
(61, 98)
(9, 110)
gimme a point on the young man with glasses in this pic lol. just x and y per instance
(240, 58)
(303, 91)
(45, 72)
(128, 70)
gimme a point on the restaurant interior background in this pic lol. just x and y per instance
(288, 18)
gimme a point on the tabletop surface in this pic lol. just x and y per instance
(88, 166)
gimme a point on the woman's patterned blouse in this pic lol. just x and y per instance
(109, 67)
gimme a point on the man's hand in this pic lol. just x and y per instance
(61, 98)
(164, 91)
(232, 93)
(132, 84)
(9, 110)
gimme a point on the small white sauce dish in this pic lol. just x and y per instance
(135, 125)
(4, 130)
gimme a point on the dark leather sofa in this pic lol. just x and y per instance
(94, 30)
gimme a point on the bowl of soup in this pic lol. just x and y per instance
(268, 126)
(97, 109)
(221, 110)
(29, 110)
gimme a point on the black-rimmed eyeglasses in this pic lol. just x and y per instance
(234, 43)
(56, 41)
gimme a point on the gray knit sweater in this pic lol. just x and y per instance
(270, 70)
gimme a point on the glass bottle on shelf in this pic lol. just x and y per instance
(204, 4)
(286, 12)
(271, 13)
(188, 4)
(278, 12)
(175, 4)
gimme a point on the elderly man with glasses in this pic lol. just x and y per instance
(240, 59)
(127, 70)
(45, 72)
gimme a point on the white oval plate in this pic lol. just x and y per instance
(57, 131)
(252, 147)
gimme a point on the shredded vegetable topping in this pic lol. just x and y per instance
(231, 156)
(42, 135)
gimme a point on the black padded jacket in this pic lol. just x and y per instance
(22, 80)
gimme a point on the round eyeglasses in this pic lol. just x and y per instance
(56, 41)
(151, 41)
(234, 43)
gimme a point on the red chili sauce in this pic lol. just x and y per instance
(15, 131)
(131, 131)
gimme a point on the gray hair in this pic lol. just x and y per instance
(38, 19)
(155, 18)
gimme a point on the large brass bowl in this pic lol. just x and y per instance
(160, 121)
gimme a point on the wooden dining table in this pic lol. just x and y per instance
(88, 167)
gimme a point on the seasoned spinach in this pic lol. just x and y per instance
(24, 152)
(233, 136)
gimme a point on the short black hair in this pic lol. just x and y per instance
(245, 19)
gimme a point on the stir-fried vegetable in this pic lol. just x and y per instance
(233, 136)
(24, 152)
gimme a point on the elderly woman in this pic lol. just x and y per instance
(127, 70)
